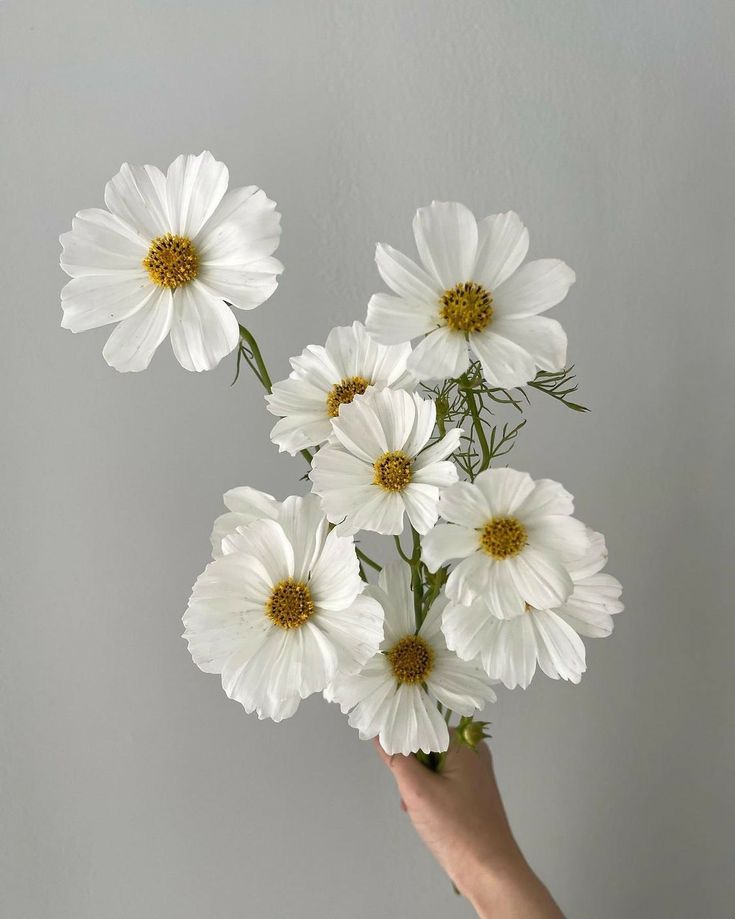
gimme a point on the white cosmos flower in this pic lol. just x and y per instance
(394, 695)
(378, 464)
(282, 611)
(164, 257)
(244, 505)
(471, 288)
(510, 649)
(325, 378)
(515, 537)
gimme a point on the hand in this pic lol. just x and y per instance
(459, 814)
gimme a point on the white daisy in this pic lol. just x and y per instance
(325, 378)
(510, 649)
(473, 289)
(282, 611)
(394, 695)
(515, 537)
(378, 464)
(245, 505)
(164, 257)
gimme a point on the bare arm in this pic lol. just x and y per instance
(459, 815)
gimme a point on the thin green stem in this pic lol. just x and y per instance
(469, 396)
(257, 365)
(417, 581)
(399, 547)
(368, 561)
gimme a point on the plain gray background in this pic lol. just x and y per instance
(131, 786)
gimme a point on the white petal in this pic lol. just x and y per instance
(306, 529)
(565, 536)
(413, 724)
(547, 497)
(446, 239)
(424, 420)
(100, 243)
(468, 629)
(335, 578)
(504, 363)
(240, 287)
(447, 541)
(266, 542)
(501, 594)
(243, 231)
(194, 187)
(534, 288)
(511, 653)
(504, 489)
(470, 578)
(405, 278)
(465, 504)
(422, 506)
(393, 320)
(441, 355)
(540, 578)
(133, 343)
(561, 652)
(204, 330)
(502, 246)
(356, 632)
(463, 687)
(137, 195)
(396, 597)
(247, 500)
(432, 456)
(92, 301)
(544, 339)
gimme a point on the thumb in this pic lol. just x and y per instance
(408, 772)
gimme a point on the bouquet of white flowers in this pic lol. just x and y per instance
(397, 419)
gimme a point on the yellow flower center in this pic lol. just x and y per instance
(503, 537)
(412, 659)
(344, 392)
(466, 307)
(392, 471)
(172, 261)
(290, 604)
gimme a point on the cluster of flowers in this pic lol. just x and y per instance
(508, 581)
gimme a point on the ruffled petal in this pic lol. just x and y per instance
(137, 195)
(133, 343)
(504, 363)
(194, 187)
(204, 330)
(441, 355)
(544, 339)
(534, 288)
(446, 239)
(394, 320)
(89, 302)
(502, 246)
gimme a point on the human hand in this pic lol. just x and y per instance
(460, 816)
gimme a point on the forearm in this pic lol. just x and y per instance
(510, 890)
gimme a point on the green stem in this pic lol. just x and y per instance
(469, 396)
(368, 561)
(416, 579)
(261, 372)
(399, 547)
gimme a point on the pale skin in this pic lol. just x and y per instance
(459, 815)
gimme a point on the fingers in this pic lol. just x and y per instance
(407, 770)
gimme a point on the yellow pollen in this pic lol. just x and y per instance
(412, 659)
(172, 261)
(392, 471)
(466, 307)
(290, 604)
(344, 392)
(503, 537)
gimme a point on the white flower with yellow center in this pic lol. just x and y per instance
(379, 466)
(394, 695)
(164, 258)
(282, 611)
(326, 378)
(516, 539)
(510, 649)
(472, 289)
(244, 505)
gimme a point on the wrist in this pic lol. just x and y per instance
(505, 887)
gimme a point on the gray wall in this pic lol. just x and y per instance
(132, 787)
